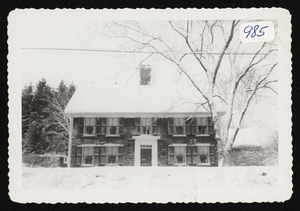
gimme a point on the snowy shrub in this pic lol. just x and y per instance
(32, 160)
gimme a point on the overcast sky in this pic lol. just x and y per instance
(73, 31)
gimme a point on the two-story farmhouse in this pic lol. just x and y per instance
(141, 124)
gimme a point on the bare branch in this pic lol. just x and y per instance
(223, 52)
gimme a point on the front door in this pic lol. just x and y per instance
(146, 155)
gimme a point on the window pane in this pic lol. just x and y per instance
(188, 150)
(96, 151)
(103, 159)
(89, 130)
(120, 159)
(96, 160)
(193, 129)
(91, 150)
(80, 130)
(120, 150)
(171, 149)
(176, 121)
(203, 152)
(171, 159)
(178, 130)
(103, 150)
(137, 121)
(180, 154)
(115, 122)
(85, 151)
(112, 130)
(92, 121)
(98, 121)
(195, 159)
(202, 129)
(78, 160)
(88, 159)
(112, 150)
(79, 150)
(180, 150)
(111, 158)
(188, 159)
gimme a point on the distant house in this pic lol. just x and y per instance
(141, 124)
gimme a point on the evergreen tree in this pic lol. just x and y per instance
(45, 126)
(27, 96)
(36, 141)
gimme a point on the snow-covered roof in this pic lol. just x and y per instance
(132, 100)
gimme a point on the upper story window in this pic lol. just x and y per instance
(145, 75)
(146, 125)
(204, 126)
(89, 126)
(176, 126)
(200, 126)
(113, 126)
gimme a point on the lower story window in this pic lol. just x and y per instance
(88, 155)
(111, 155)
(190, 154)
(177, 154)
(100, 155)
(203, 153)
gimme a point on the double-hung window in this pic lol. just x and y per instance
(85, 155)
(101, 126)
(113, 126)
(176, 126)
(146, 125)
(203, 154)
(204, 126)
(200, 154)
(177, 154)
(88, 155)
(111, 154)
(78, 126)
(89, 126)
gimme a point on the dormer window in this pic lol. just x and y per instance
(145, 75)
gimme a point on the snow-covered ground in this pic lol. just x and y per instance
(149, 177)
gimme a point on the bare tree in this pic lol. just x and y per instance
(233, 72)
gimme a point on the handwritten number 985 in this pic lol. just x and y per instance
(252, 31)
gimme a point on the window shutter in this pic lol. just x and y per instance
(98, 126)
(212, 154)
(170, 126)
(121, 121)
(154, 126)
(96, 156)
(189, 155)
(102, 155)
(211, 129)
(137, 121)
(120, 155)
(78, 126)
(75, 126)
(121, 125)
(78, 155)
(171, 158)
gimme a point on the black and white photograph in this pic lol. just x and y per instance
(150, 105)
